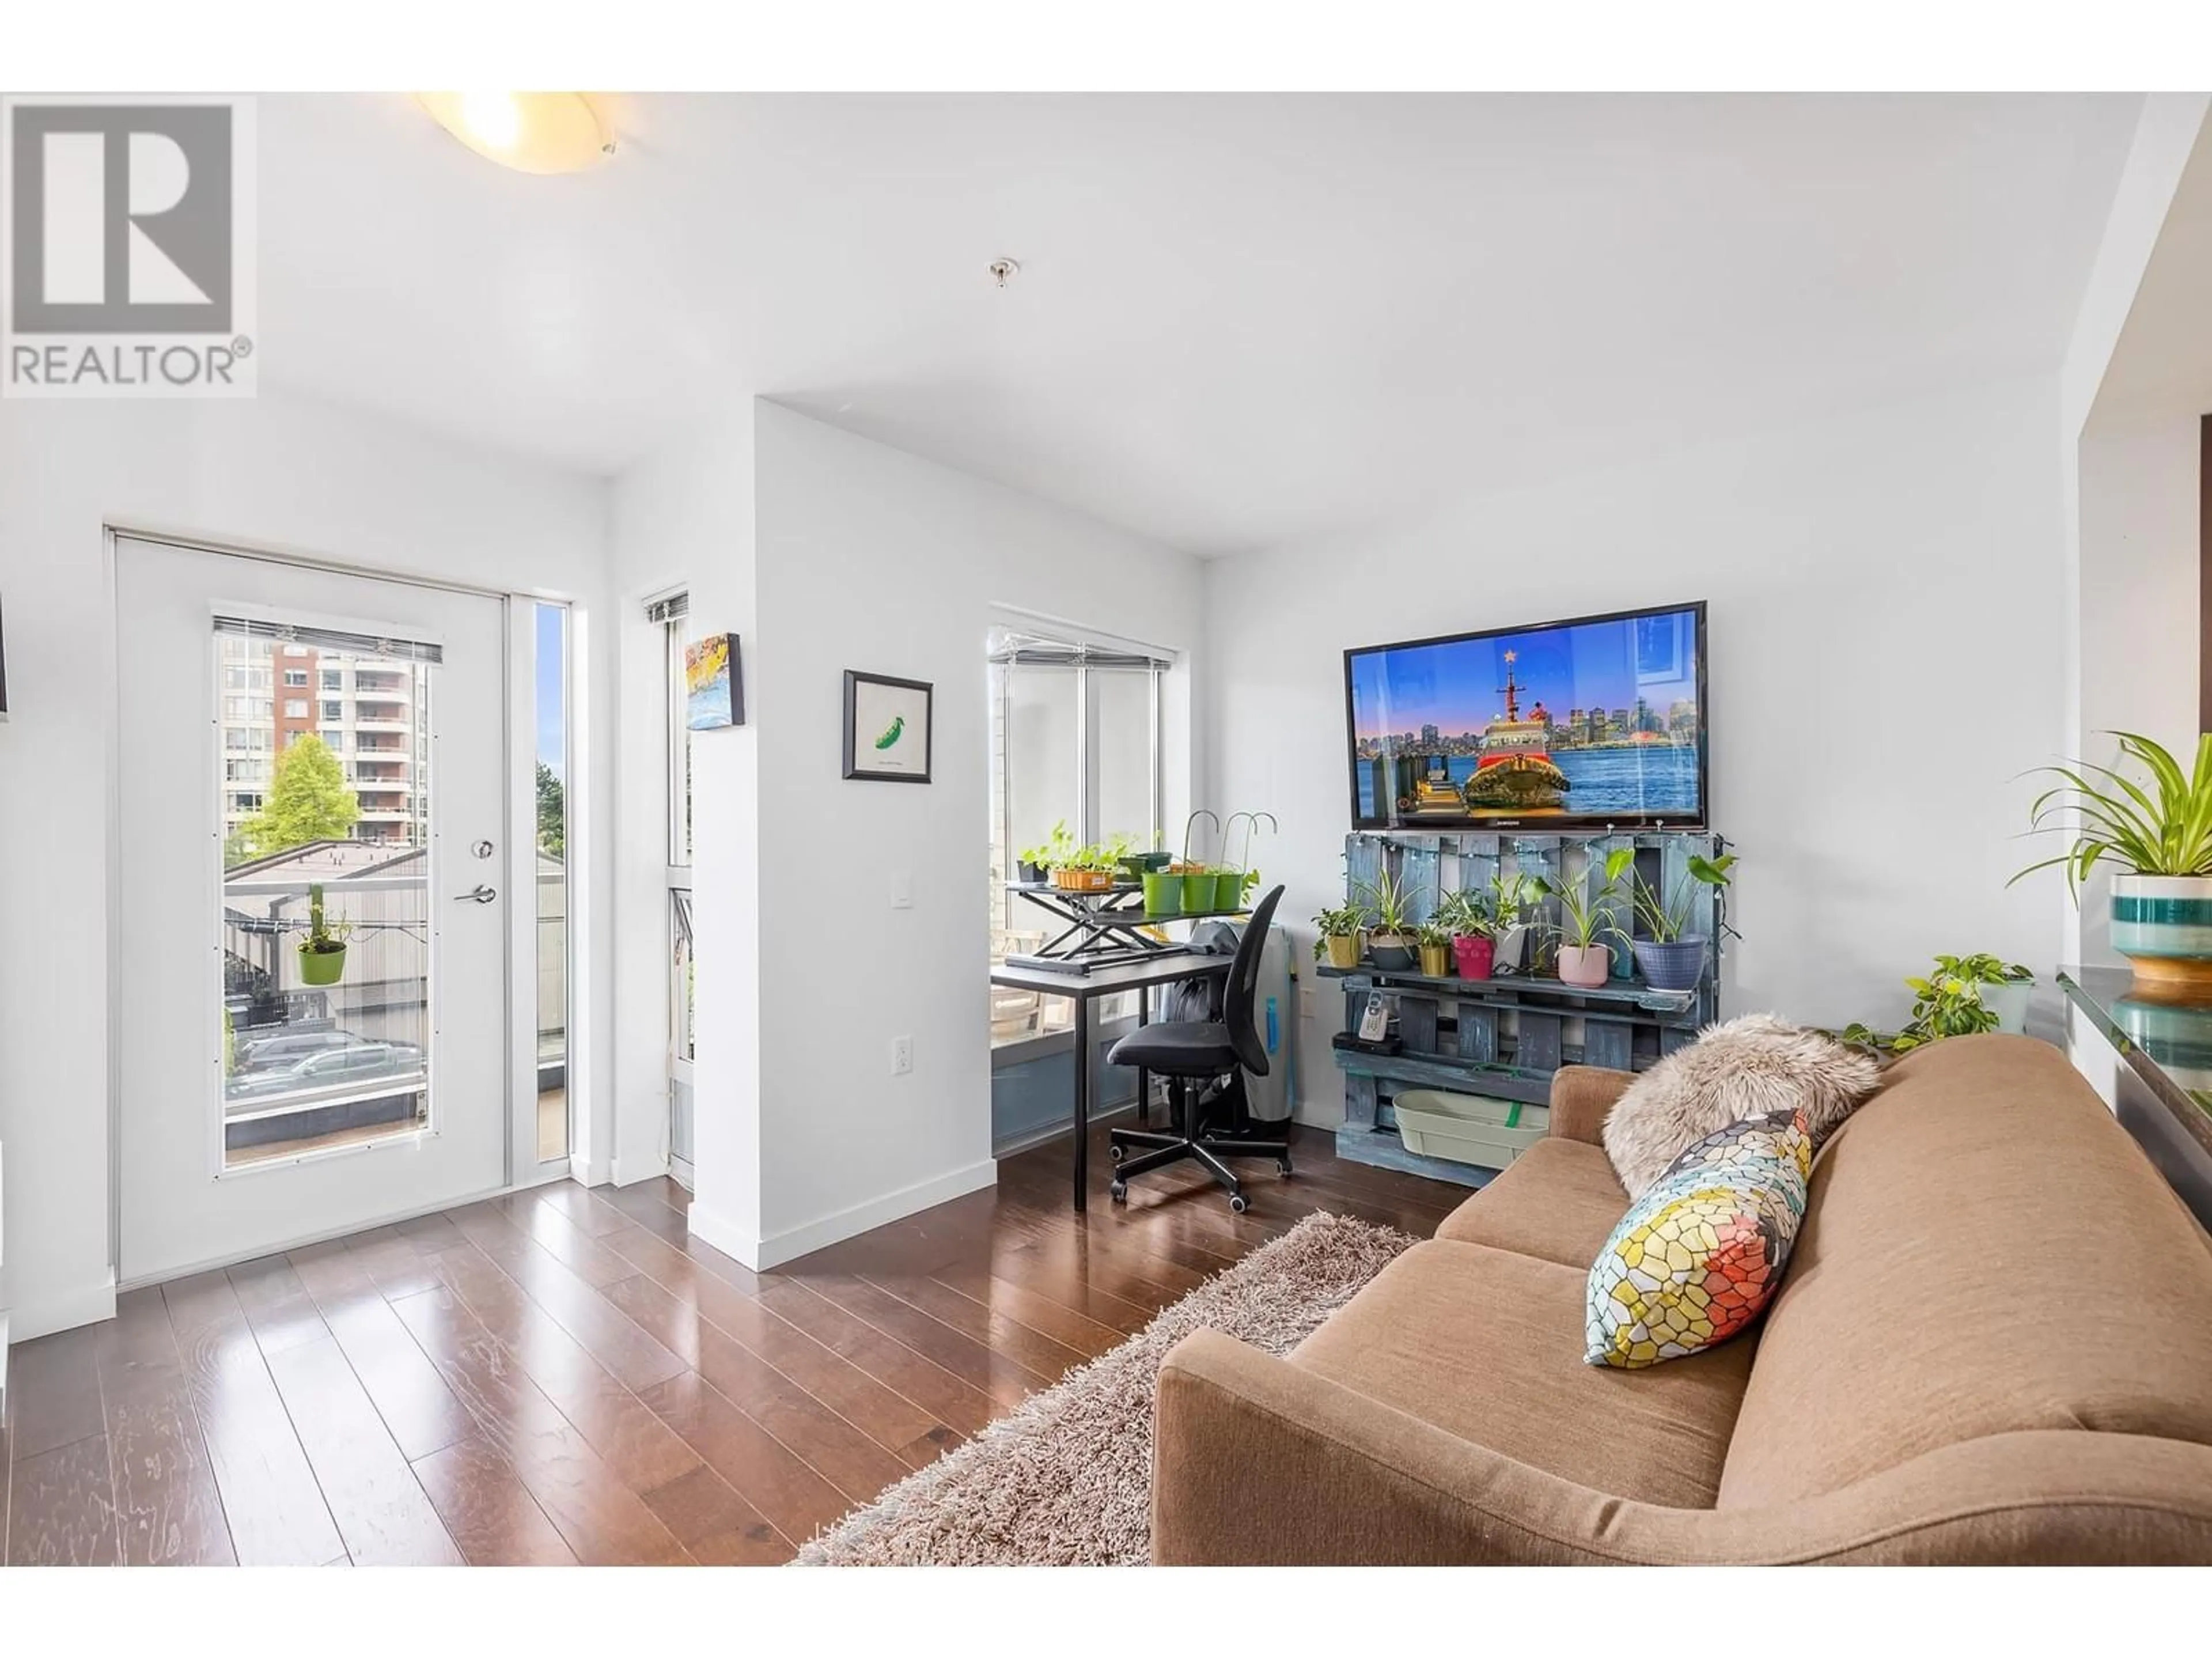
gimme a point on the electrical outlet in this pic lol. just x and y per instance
(1308, 1007)
(902, 1056)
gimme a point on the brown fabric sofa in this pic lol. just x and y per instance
(1994, 1344)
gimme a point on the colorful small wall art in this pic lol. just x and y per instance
(713, 684)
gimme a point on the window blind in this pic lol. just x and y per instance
(669, 609)
(331, 639)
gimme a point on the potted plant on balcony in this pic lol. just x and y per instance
(323, 952)
(1673, 958)
(2159, 839)
(1589, 912)
(1392, 944)
(1466, 918)
(1341, 929)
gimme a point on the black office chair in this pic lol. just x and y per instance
(1192, 1051)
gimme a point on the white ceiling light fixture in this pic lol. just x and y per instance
(529, 131)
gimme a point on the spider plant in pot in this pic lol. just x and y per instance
(1673, 957)
(323, 952)
(1589, 912)
(1393, 943)
(1341, 929)
(1466, 917)
(2158, 840)
(1435, 939)
(1511, 899)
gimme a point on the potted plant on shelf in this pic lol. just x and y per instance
(1392, 944)
(2158, 840)
(1197, 875)
(1037, 862)
(1673, 958)
(1341, 929)
(1510, 900)
(1090, 869)
(1589, 912)
(1232, 883)
(1466, 918)
(323, 952)
(1435, 938)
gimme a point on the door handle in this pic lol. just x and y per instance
(480, 893)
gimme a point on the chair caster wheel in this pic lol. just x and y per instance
(1238, 1203)
(1283, 1168)
(1114, 1152)
(1119, 1192)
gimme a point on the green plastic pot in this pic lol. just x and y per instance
(1228, 889)
(1198, 892)
(1163, 893)
(321, 966)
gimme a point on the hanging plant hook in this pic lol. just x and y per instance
(1189, 822)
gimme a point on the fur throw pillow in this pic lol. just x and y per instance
(1742, 1068)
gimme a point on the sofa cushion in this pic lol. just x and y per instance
(1700, 1257)
(1984, 1251)
(1487, 1345)
(1557, 1202)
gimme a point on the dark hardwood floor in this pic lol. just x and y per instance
(565, 1376)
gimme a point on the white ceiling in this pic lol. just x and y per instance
(1240, 319)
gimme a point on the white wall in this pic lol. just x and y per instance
(271, 471)
(870, 558)
(2138, 617)
(684, 517)
(1886, 623)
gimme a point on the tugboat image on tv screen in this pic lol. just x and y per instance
(1513, 773)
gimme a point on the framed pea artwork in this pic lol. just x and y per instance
(887, 728)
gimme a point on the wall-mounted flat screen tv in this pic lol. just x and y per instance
(1562, 726)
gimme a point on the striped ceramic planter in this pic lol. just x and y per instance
(2163, 926)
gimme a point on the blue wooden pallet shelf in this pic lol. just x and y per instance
(1504, 1037)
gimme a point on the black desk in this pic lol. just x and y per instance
(1082, 989)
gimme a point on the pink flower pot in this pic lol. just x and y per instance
(1587, 965)
(1475, 955)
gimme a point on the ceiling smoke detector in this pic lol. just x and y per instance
(1003, 270)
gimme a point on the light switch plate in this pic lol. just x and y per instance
(901, 890)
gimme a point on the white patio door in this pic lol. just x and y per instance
(311, 949)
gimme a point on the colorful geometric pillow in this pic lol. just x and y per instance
(1697, 1256)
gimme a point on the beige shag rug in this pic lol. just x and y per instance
(1067, 1479)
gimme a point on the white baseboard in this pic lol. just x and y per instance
(590, 1172)
(712, 1227)
(629, 1171)
(825, 1231)
(26, 1322)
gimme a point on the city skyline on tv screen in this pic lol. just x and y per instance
(1596, 721)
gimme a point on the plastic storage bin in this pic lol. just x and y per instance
(1468, 1128)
